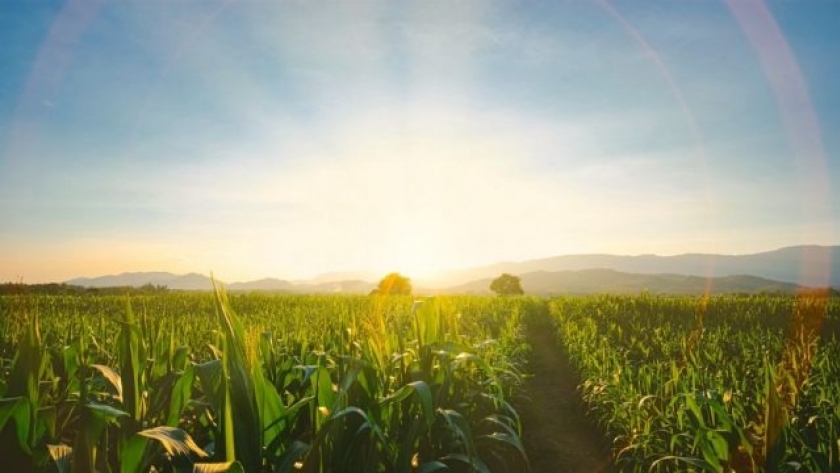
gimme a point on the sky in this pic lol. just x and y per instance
(290, 138)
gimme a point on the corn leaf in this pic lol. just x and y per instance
(245, 435)
(180, 396)
(286, 462)
(17, 409)
(61, 455)
(113, 379)
(227, 467)
(432, 466)
(131, 355)
(174, 440)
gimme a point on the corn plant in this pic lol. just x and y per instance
(699, 384)
(212, 382)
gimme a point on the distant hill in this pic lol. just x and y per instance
(781, 270)
(266, 284)
(179, 282)
(586, 281)
(809, 265)
(200, 282)
(592, 281)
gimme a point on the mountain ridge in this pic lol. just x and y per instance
(594, 281)
(807, 265)
(785, 269)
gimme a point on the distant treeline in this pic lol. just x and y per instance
(10, 288)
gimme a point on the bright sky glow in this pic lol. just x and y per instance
(289, 139)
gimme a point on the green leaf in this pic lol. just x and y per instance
(112, 377)
(16, 408)
(179, 358)
(508, 440)
(269, 405)
(29, 363)
(421, 392)
(432, 466)
(407, 446)
(719, 444)
(286, 462)
(323, 389)
(47, 418)
(695, 462)
(243, 438)
(174, 440)
(94, 417)
(774, 412)
(131, 355)
(105, 412)
(181, 395)
(133, 455)
(288, 416)
(210, 376)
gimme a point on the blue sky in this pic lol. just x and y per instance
(293, 138)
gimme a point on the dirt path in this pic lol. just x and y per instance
(558, 437)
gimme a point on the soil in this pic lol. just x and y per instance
(558, 436)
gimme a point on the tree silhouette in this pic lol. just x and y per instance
(394, 284)
(506, 285)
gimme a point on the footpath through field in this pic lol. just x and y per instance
(557, 435)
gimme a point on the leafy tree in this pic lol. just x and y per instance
(394, 284)
(506, 285)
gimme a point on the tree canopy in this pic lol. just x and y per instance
(506, 285)
(394, 284)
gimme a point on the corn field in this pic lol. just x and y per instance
(710, 384)
(207, 382)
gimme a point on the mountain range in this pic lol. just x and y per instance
(783, 270)
(810, 265)
(200, 282)
(591, 281)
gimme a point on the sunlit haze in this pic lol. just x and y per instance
(290, 139)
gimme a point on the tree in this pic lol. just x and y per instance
(394, 284)
(506, 285)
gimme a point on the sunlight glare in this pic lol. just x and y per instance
(416, 257)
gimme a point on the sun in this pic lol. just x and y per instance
(416, 257)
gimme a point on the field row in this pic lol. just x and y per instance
(721, 384)
(182, 383)
(200, 382)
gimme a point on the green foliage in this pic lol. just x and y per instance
(355, 383)
(199, 382)
(394, 284)
(709, 384)
(507, 285)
